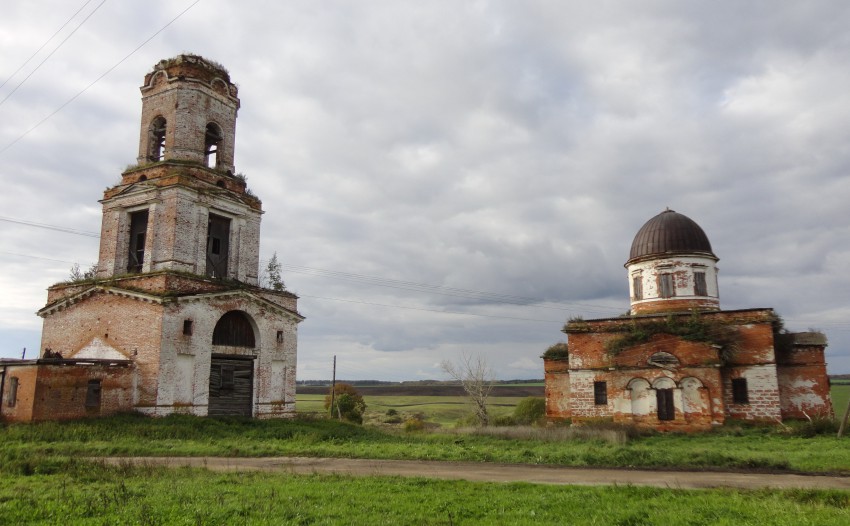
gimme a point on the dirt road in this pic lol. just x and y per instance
(488, 472)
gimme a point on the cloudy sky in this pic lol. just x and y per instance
(450, 177)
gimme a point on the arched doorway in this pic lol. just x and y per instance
(232, 375)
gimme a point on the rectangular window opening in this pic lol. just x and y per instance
(13, 391)
(187, 327)
(138, 232)
(666, 287)
(740, 393)
(93, 394)
(279, 336)
(218, 239)
(637, 287)
(600, 393)
(700, 288)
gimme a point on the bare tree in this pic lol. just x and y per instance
(476, 377)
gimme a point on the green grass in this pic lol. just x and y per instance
(840, 394)
(79, 493)
(28, 448)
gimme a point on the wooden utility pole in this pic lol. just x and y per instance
(333, 391)
(844, 421)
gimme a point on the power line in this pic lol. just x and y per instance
(95, 81)
(37, 51)
(51, 227)
(37, 257)
(21, 83)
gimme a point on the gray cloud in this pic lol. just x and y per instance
(512, 148)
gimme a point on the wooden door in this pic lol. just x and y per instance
(231, 386)
(666, 410)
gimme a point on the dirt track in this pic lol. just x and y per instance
(487, 472)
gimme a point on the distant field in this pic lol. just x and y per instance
(443, 410)
(450, 405)
(840, 394)
(512, 390)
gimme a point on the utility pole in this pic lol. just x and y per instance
(24, 354)
(333, 390)
(844, 420)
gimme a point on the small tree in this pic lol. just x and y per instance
(273, 269)
(348, 404)
(77, 274)
(530, 410)
(476, 377)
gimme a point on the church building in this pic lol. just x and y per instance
(174, 320)
(677, 361)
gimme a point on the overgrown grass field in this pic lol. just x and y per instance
(42, 480)
(80, 493)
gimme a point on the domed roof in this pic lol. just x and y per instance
(669, 233)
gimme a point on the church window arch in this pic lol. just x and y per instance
(234, 329)
(212, 144)
(156, 139)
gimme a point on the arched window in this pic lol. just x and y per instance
(212, 144)
(156, 141)
(234, 329)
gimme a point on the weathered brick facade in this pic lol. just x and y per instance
(175, 308)
(677, 361)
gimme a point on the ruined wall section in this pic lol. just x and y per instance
(186, 358)
(803, 380)
(127, 323)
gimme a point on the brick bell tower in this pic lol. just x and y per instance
(176, 289)
(182, 208)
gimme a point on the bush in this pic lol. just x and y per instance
(531, 410)
(504, 420)
(414, 423)
(558, 351)
(348, 404)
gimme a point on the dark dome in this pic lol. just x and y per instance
(669, 233)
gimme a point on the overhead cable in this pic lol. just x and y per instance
(37, 51)
(95, 81)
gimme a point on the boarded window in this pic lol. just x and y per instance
(187, 327)
(138, 231)
(93, 394)
(666, 286)
(600, 393)
(234, 329)
(156, 140)
(666, 409)
(740, 394)
(699, 284)
(637, 287)
(13, 391)
(212, 144)
(218, 244)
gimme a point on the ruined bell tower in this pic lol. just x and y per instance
(176, 293)
(182, 207)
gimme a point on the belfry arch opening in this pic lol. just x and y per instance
(212, 145)
(156, 149)
(234, 329)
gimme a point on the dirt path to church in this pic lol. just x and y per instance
(487, 472)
